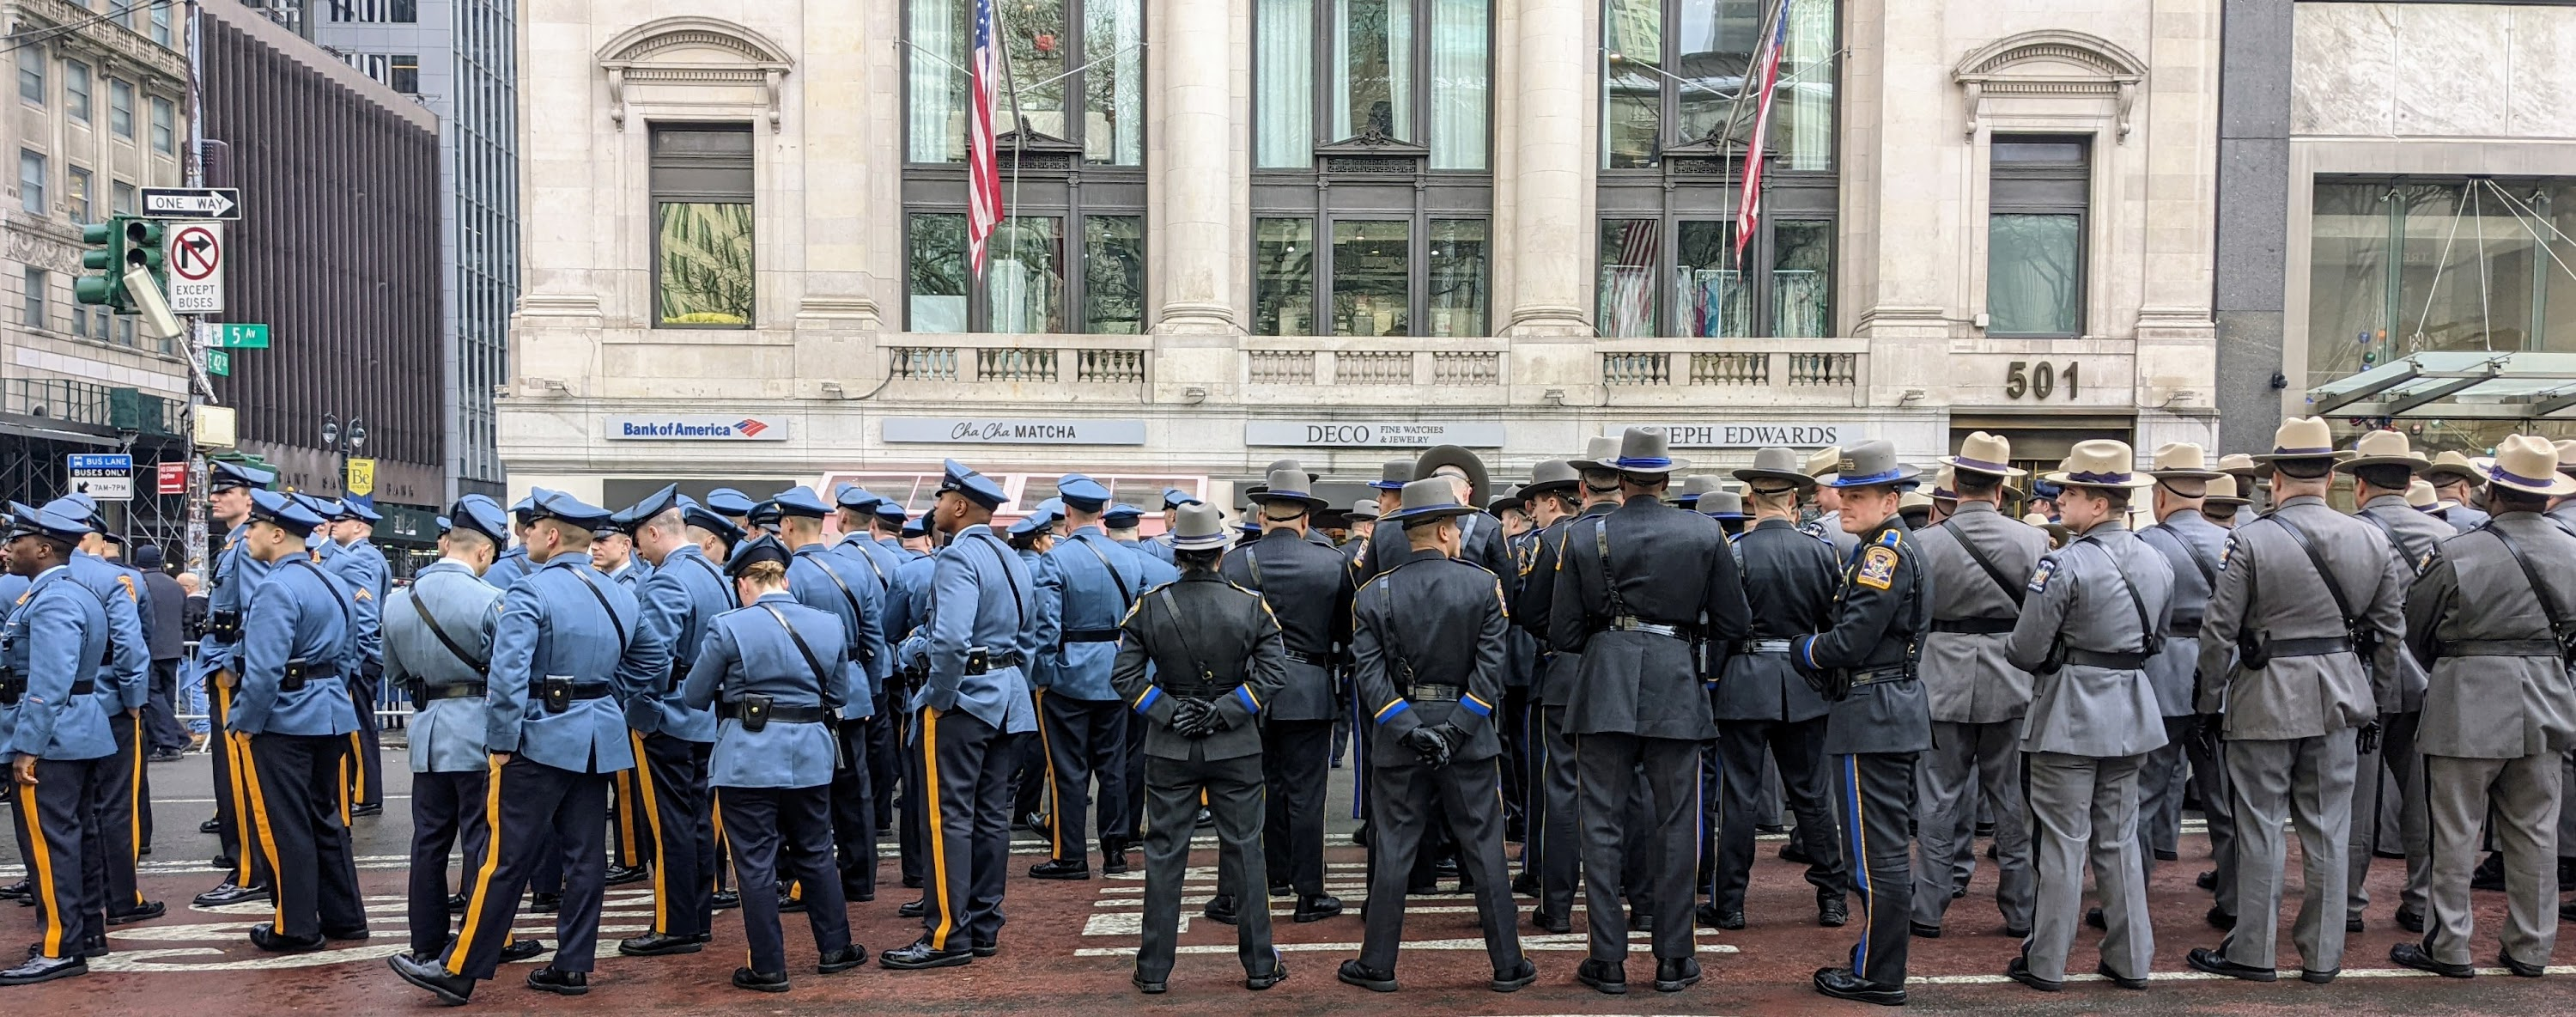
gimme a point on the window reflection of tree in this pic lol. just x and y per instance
(706, 276)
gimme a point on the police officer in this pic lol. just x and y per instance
(298, 645)
(736, 507)
(1085, 584)
(2250, 479)
(1637, 710)
(118, 802)
(555, 735)
(437, 646)
(513, 562)
(361, 566)
(2190, 544)
(2093, 619)
(1979, 560)
(1122, 521)
(612, 552)
(867, 541)
(2383, 468)
(974, 648)
(1309, 592)
(1161, 546)
(2457, 480)
(1427, 643)
(848, 590)
(1865, 664)
(54, 727)
(1480, 535)
(228, 494)
(2492, 617)
(774, 758)
(672, 739)
(1762, 708)
(1218, 658)
(1828, 522)
(2317, 598)
(1551, 499)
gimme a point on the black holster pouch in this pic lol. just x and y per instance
(557, 691)
(2253, 649)
(752, 709)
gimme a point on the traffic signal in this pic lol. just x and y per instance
(105, 256)
(143, 250)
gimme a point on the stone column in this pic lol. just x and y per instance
(1552, 161)
(1195, 167)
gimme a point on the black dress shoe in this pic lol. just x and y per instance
(2352, 924)
(914, 909)
(2013, 933)
(19, 890)
(727, 900)
(922, 955)
(1841, 983)
(2093, 917)
(2104, 969)
(1149, 986)
(1957, 892)
(984, 947)
(211, 826)
(544, 903)
(561, 983)
(2207, 880)
(2163, 855)
(1545, 922)
(1113, 863)
(1673, 974)
(1526, 884)
(912, 882)
(620, 875)
(2517, 968)
(756, 981)
(451, 990)
(2413, 955)
(1710, 916)
(369, 809)
(2205, 959)
(1220, 908)
(2219, 918)
(518, 950)
(1205, 818)
(1639, 921)
(456, 902)
(1922, 931)
(264, 936)
(1791, 852)
(858, 894)
(1316, 909)
(1352, 972)
(2019, 971)
(143, 912)
(1282, 890)
(1061, 868)
(231, 894)
(790, 904)
(2319, 977)
(1769, 828)
(351, 935)
(1517, 979)
(2489, 875)
(655, 944)
(2410, 920)
(166, 756)
(1831, 911)
(1278, 973)
(1985, 830)
(1610, 978)
(843, 959)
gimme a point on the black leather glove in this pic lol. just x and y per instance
(2367, 741)
(1427, 744)
(1193, 718)
(1450, 737)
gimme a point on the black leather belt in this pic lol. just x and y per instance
(1429, 693)
(2500, 648)
(298, 674)
(467, 690)
(1315, 659)
(1751, 646)
(732, 710)
(1632, 623)
(1975, 626)
(992, 662)
(2318, 647)
(1090, 636)
(2108, 661)
(2185, 629)
(14, 689)
(1882, 675)
(590, 690)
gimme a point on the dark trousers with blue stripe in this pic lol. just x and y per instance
(1799, 749)
(1877, 797)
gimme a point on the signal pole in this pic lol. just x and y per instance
(200, 391)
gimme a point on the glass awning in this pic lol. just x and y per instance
(2470, 384)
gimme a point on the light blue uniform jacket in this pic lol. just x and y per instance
(750, 651)
(552, 624)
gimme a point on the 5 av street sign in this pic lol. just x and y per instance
(192, 202)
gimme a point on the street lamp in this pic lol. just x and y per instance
(343, 442)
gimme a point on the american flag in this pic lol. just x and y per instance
(1748, 204)
(983, 171)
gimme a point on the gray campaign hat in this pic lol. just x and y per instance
(1394, 475)
(1782, 465)
(1598, 451)
(1872, 464)
(1288, 484)
(1428, 500)
(1721, 505)
(1552, 475)
(1199, 526)
(1697, 487)
(1363, 509)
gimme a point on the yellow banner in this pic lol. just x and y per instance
(362, 477)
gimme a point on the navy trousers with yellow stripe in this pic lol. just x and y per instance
(296, 783)
(1876, 792)
(670, 788)
(1084, 740)
(119, 804)
(535, 810)
(446, 812)
(230, 755)
(52, 824)
(366, 780)
(967, 845)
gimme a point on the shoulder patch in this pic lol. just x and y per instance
(2039, 576)
(2427, 561)
(1892, 538)
(2226, 552)
(1877, 567)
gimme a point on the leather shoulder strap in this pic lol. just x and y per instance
(462, 657)
(847, 597)
(822, 677)
(2012, 591)
(2334, 587)
(602, 598)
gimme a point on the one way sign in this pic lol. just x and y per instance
(192, 202)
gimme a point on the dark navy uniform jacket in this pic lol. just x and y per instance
(1438, 621)
(1309, 590)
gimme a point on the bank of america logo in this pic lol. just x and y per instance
(750, 428)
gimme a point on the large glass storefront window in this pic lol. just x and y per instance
(1695, 65)
(2413, 265)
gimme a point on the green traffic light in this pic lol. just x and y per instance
(143, 244)
(106, 254)
(97, 289)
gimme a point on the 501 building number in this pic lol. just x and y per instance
(2040, 380)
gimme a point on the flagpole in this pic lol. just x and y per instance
(1752, 146)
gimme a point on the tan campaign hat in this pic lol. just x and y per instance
(2383, 448)
(2222, 493)
(2450, 464)
(2182, 460)
(2530, 464)
(2239, 465)
(2101, 462)
(1984, 453)
(1822, 462)
(2566, 455)
(2302, 438)
(2420, 495)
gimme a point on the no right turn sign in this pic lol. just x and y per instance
(196, 252)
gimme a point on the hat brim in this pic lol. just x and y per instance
(1902, 474)
(1551, 487)
(2062, 478)
(1207, 542)
(1955, 463)
(1426, 513)
(2437, 472)
(2185, 474)
(1799, 478)
(1479, 483)
(2560, 484)
(1265, 497)
(2416, 464)
(2336, 455)
(2227, 501)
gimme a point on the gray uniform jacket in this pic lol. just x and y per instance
(1309, 591)
(2418, 540)
(2266, 583)
(1200, 634)
(2487, 699)
(1430, 620)
(1795, 574)
(2078, 598)
(1645, 563)
(447, 735)
(1965, 674)
(2191, 544)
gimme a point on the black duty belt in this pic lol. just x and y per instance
(1430, 693)
(1974, 626)
(2183, 629)
(1765, 646)
(1212, 689)
(1887, 674)
(2131, 661)
(298, 674)
(2317, 647)
(462, 690)
(1090, 636)
(992, 661)
(223, 624)
(2500, 648)
(1632, 623)
(13, 688)
(732, 710)
(1313, 659)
